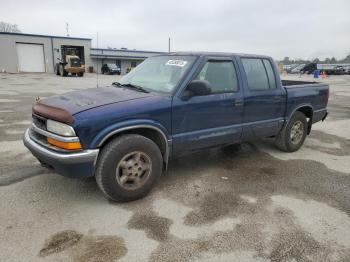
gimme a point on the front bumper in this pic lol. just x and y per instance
(75, 70)
(75, 164)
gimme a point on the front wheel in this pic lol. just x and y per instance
(128, 167)
(293, 135)
(63, 72)
(57, 69)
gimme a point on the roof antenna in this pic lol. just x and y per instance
(96, 61)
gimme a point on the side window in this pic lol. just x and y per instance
(256, 74)
(221, 75)
(270, 73)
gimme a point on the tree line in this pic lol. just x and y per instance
(9, 28)
(333, 60)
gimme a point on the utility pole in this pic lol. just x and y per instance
(97, 61)
(67, 28)
(169, 45)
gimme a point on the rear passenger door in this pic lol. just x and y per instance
(264, 98)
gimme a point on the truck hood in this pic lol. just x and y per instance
(78, 101)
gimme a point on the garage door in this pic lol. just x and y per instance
(30, 57)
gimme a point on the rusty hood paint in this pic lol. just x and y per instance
(78, 101)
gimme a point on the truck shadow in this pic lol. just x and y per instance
(256, 173)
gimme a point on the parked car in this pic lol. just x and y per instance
(110, 69)
(295, 69)
(339, 70)
(329, 69)
(171, 105)
(308, 68)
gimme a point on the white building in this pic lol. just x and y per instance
(39, 53)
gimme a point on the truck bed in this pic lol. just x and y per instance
(310, 93)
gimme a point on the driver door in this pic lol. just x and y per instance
(209, 120)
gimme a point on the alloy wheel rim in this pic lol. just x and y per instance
(297, 132)
(133, 170)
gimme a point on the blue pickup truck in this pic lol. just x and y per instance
(170, 105)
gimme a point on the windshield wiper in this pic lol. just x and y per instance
(116, 84)
(132, 86)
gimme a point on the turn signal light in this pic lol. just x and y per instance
(64, 145)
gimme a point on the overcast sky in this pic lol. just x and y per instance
(294, 28)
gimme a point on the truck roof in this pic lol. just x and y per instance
(205, 53)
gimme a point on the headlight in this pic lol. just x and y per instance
(59, 128)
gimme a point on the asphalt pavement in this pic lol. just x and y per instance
(255, 204)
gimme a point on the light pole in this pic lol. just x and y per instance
(169, 45)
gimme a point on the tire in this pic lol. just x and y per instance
(292, 136)
(119, 156)
(81, 74)
(63, 72)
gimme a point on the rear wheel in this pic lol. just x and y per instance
(293, 135)
(128, 167)
(81, 74)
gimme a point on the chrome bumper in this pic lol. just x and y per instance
(78, 157)
(72, 164)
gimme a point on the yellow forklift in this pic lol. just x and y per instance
(71, 61)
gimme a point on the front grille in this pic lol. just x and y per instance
(39, 121)
(42, 140)
(39, 138)
(75, 62)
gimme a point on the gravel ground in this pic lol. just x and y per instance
(257, 204)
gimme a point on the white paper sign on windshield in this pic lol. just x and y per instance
(176, 63)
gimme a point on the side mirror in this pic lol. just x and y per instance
(197, 88)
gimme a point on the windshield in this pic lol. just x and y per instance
(159, 73)
(112, 66)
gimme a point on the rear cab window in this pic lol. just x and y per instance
(259, 74)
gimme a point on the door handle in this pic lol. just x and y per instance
(277, 99)
(238, 103)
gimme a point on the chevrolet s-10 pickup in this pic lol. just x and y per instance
(170, 105)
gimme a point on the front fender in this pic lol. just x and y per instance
(111, 130)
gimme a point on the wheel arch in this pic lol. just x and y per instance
(154, 133)
(308, 111)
